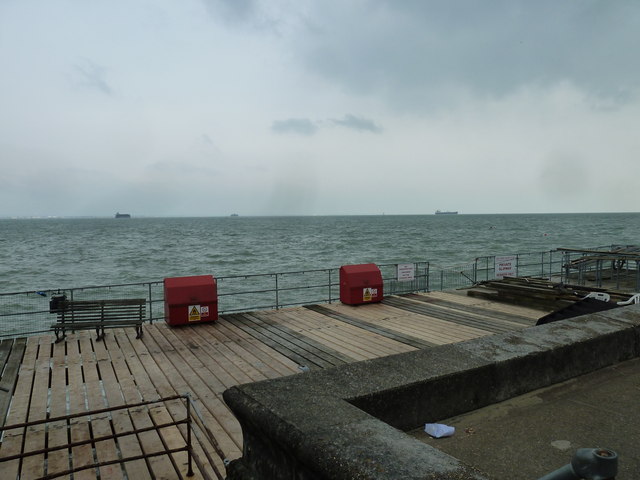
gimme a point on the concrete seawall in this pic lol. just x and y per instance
(348, 422)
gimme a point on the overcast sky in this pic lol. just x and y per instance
(213, 107)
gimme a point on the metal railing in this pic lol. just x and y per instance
(69, 422)
(24, 313)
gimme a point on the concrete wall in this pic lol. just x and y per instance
(347, 422)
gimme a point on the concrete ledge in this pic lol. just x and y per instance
(347, 422)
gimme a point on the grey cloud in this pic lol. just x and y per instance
(90, 75)
(418, 52)
(180, 169)
(234, 11)
(301, 126)
(357, 123)
(244, 13)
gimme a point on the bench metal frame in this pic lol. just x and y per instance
(99, 314)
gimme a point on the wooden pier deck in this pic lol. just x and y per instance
(81, 374)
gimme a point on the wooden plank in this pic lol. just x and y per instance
(349, 352)
(150, 441)
(12, 440)
(463, 298)
(202, 356)
(106, 450)
(180, 412)
(354, 347)
(172, 438)
(167, 379)
(351, 338)
(383, 331)
(81, 456)
(239, 339)
(275, 342)
(116, 378)
(13, 351)
(5, 349)
(450, 316)
(313, 351)
(35, 438)
(236, 352)
(174, 408)
(283, 320)
(433, 330)
(182, 378)
(477, 310)
(58, 432)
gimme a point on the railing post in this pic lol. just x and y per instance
(329, 285)
(487, 268)
(277, 294)
(475, 271)
(428, 275)
(150, 305)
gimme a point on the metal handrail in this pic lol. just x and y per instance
(291, 288)
(157, 427)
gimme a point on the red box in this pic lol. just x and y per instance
(190, 300)
(360, 284)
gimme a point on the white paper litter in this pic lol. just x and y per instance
(439, 430)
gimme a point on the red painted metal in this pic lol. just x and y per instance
(189, 300)
(360, 284)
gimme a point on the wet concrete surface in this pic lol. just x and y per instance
(531, 435)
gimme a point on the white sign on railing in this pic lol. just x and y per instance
(506, 266)
(406, 272)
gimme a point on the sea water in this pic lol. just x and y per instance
(59, 253)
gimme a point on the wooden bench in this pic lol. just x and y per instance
(99, 314)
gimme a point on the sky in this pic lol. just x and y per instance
(332, 107)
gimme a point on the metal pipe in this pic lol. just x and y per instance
(589, 464)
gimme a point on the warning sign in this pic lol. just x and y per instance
(506, 266)
(369, 294)
(406, 272)
(204, 311)
(194, 313)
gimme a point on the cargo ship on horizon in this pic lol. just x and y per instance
(442, 212)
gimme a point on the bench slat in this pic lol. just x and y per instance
(99, 314)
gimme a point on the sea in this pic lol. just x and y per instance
(61, 253)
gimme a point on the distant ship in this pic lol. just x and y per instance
(440, 212)
(122, 215)
(234, 215)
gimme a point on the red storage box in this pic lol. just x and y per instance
(190, 300)
(360, 284)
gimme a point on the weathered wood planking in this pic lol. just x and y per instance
(58, 461)
(450, 315)
(105, 450)
(432, 330)
(161, 466)
(11, 353)
(184, 378)
(116, 378)
(35, 437)
(357, 344)
(204, 360)
(511, 319)
(370, 327)
(81, 456)
(19, 410)
(175, 408)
